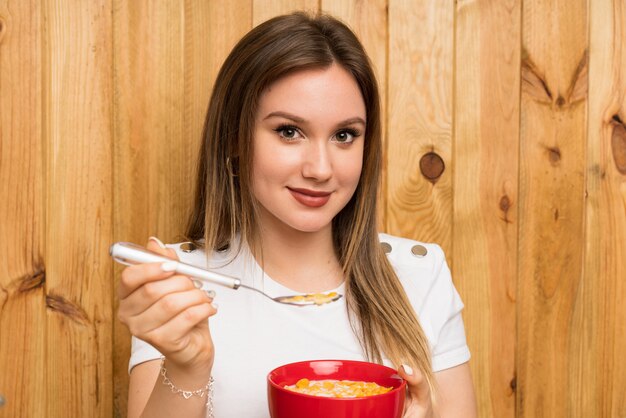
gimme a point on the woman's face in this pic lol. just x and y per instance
(308, 148)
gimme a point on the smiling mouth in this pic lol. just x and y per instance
(310, 198)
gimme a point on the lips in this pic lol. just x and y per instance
(310, 198)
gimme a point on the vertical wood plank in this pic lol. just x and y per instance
(419, 125)
(263, 10)
(202, 56)
(552, 172)
(229, 23)
(78, 153)
(150, 150)
(167, 56)
(22, 268)
(598, 371)
(486, 143)
(368, 19)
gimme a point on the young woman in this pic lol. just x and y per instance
(286, 191)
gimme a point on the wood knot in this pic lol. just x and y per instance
(513, 384)
(2, 28)
(618, 143)
(533, 81)
(32, 281)
(505, 205)
(66, 308)
(554, 154)
(432, 166)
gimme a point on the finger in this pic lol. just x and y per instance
(139, 274)
(155, 244)
(147, 294)
(134, 276)
(165, 310)
(416, 383)
(176, 331)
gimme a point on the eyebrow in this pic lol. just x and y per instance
(298, 119)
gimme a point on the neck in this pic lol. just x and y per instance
(303, 261)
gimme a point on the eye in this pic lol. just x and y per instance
(346, 136)
(288, 132)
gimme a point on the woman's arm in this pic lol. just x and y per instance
(142, 379)
(456, 393)
(455, 397)
(169, 312)
(146, 385)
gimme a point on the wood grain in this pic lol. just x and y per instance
(150, 150)
(79, 229)
(598, 371)
(22, 213)
(229, 22)
(485, 155)
(263, 10)
(552, 188)
(419, 92)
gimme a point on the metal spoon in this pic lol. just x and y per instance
(128, 254)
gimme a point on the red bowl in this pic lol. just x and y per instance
(284, 403)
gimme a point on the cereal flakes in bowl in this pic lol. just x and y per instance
(335, 389)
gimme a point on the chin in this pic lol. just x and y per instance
(299, 220)
(310, 226)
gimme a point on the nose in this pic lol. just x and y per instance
(317, 162)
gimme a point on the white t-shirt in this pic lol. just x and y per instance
(253, 335)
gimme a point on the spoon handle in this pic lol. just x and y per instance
(128, 253)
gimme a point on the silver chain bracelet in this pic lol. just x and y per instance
(205, 391)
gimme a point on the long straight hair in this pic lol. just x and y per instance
(382, 316)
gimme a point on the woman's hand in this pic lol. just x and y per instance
(168, 311)
(418, 403)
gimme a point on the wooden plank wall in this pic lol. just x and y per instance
(505, 131)
(485, 193)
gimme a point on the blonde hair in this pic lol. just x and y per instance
(382, 316)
